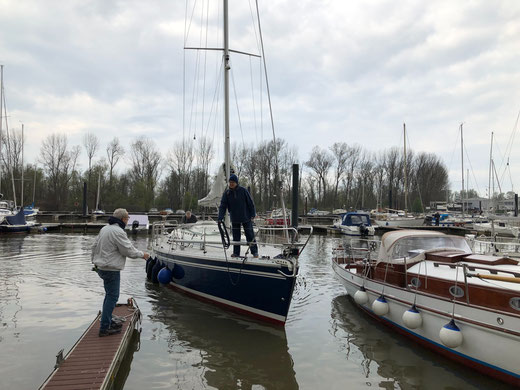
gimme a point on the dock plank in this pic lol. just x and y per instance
(93, 361)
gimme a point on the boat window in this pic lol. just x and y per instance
(456, 291)
(411, 246)
(416, 282)
(515, 303)
(358, 219)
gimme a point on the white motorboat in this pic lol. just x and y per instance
(430, 287)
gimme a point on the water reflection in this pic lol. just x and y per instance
(124, 369)
(10, 281)
(234, 352)
(402, 363)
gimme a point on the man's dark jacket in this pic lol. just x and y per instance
(239, 203)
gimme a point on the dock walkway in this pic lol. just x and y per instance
(93, 362)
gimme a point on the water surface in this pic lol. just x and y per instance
(49, 295)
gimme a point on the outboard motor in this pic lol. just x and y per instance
(363, 230)
(135, 226)
(428, 220)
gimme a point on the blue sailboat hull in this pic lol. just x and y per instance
(259, 291)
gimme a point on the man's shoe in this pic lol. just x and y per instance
(115, 325)
(255, 256)
(233, 255)
(108, 332)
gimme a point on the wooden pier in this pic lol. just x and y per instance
(93, 362)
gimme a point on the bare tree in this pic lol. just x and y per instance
(205, 154)
(114, 152)
(180, 161)
(146, 161)
(340, 152)
(91, 144)
(59, 165)
(320, 162)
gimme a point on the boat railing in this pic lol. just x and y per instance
(185, 237)
(351, 253)
(507, 248)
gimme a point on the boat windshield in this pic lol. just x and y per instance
(412, 246)
(356, 219)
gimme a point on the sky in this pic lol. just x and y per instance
(339, 71)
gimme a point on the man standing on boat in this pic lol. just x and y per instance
(189, 218)
(109, 254)
(238, 202)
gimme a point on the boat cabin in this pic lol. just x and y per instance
(355, 219)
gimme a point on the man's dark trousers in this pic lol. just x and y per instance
(250, 236)
(111, 280)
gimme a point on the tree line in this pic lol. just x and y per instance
(341, 176)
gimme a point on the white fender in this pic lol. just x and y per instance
(380, 306)
(450, 335)
(412, 318)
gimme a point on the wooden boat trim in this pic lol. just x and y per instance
(444, 314)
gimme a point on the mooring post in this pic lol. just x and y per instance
(84, 198)
(295, 190)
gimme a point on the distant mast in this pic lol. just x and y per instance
(405, 175)
(490, 194)
(462, 161)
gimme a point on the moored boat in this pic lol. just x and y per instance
(355, 224)
(202, 266)
(190, 258)
(431, 287)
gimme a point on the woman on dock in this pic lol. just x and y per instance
(109, 254)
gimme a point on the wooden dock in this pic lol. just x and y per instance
(93, 362)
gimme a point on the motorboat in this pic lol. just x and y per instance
(278, 217)
(432, 288)
(395, 218)
(30, 211)
(15, 223)
(138, 223)
(497, 227)
(355, 224)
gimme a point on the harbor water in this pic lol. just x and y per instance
(49, 295)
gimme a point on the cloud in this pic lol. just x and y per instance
(338, 71)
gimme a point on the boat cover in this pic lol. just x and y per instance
(18, 219)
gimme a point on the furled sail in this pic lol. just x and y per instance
(216, 191)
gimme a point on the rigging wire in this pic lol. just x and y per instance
(268, 90)
(510, 143)
(471, 169)
(236, 103)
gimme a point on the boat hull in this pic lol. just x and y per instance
(487, 346)
(14, 228)
(246, 287)
(402, 223)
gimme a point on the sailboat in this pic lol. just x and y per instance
(398, 218)
(11, 220)
(202, 265)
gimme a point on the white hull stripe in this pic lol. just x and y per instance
(230, 303)
(221, 269)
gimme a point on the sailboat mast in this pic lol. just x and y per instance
(226, 92)
(21, 196)
(462, 161)
(405, 176)
(490, 171)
